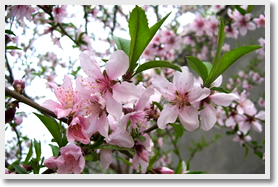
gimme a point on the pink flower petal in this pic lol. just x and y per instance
(51, 105)
(62, 112)
(105, 158)
(169, 114)
(244, 127)
(257, 126)
(103, 125)
(121, 138)
(189, 118)
(208, 117)
(223, 99)
(164, 87)
(89, 65)
(125, 92)
(183, 81)
(117, 65)
(260, 115)
(230, 122)
(197, 94)
(141, 103)
(217, 82)
(113, 107)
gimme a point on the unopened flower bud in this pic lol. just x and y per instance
(142, 152)
(19, 85)
(163, 170)
(18, 120)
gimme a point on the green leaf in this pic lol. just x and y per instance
(97, 143)
(219, 89)
(228, 59)
(196, 172)
(93, 156)
(19, 169)
(156, 64)
(250, 8)
(178, 128)
(198, 66)
(37, 146)
(179, 168)
(53, 128)
(208, 66)
(55, 150)
(241, 10)
(104, 60)
(114, 147)
(29, 154)
(125, 161)
(152, 160)
(158, 105)
(156, 26)
(122, 44)
(139, 34)
(9, 32)
(220, 41)
(12, 47)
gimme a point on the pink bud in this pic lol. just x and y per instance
(50, 162)
(19, 85)
(18, 120)
(163, 170)
(142, 152)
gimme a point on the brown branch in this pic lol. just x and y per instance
(151, 129)
(31, 103)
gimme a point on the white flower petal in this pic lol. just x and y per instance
(208, 117)
(223, 99)
(169, 114)
(189, 118)
(117, 65)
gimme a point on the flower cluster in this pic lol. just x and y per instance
(120, 111)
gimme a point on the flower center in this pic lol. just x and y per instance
(181, 100)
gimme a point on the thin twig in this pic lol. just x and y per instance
(151, 129)
(18, 142)
(31, 103)
(174, 144)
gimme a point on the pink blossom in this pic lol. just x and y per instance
(208, 113)
(199, 25)
(245, 105)
(212, 26)
(218, 7)
(18, 120)
(70, 160)
(243, 23)
(231, 32)
(78, 130)
(51, 162)
(60, 13)
(68, 98)
(260, 21)
(241, 138)
(21, 11)
(226, 47)
(252, 121)
(7, 171)
(261, 51)
(261, 102)
(141, 155)
(19, 85)
(107, 83)
(183, 96)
